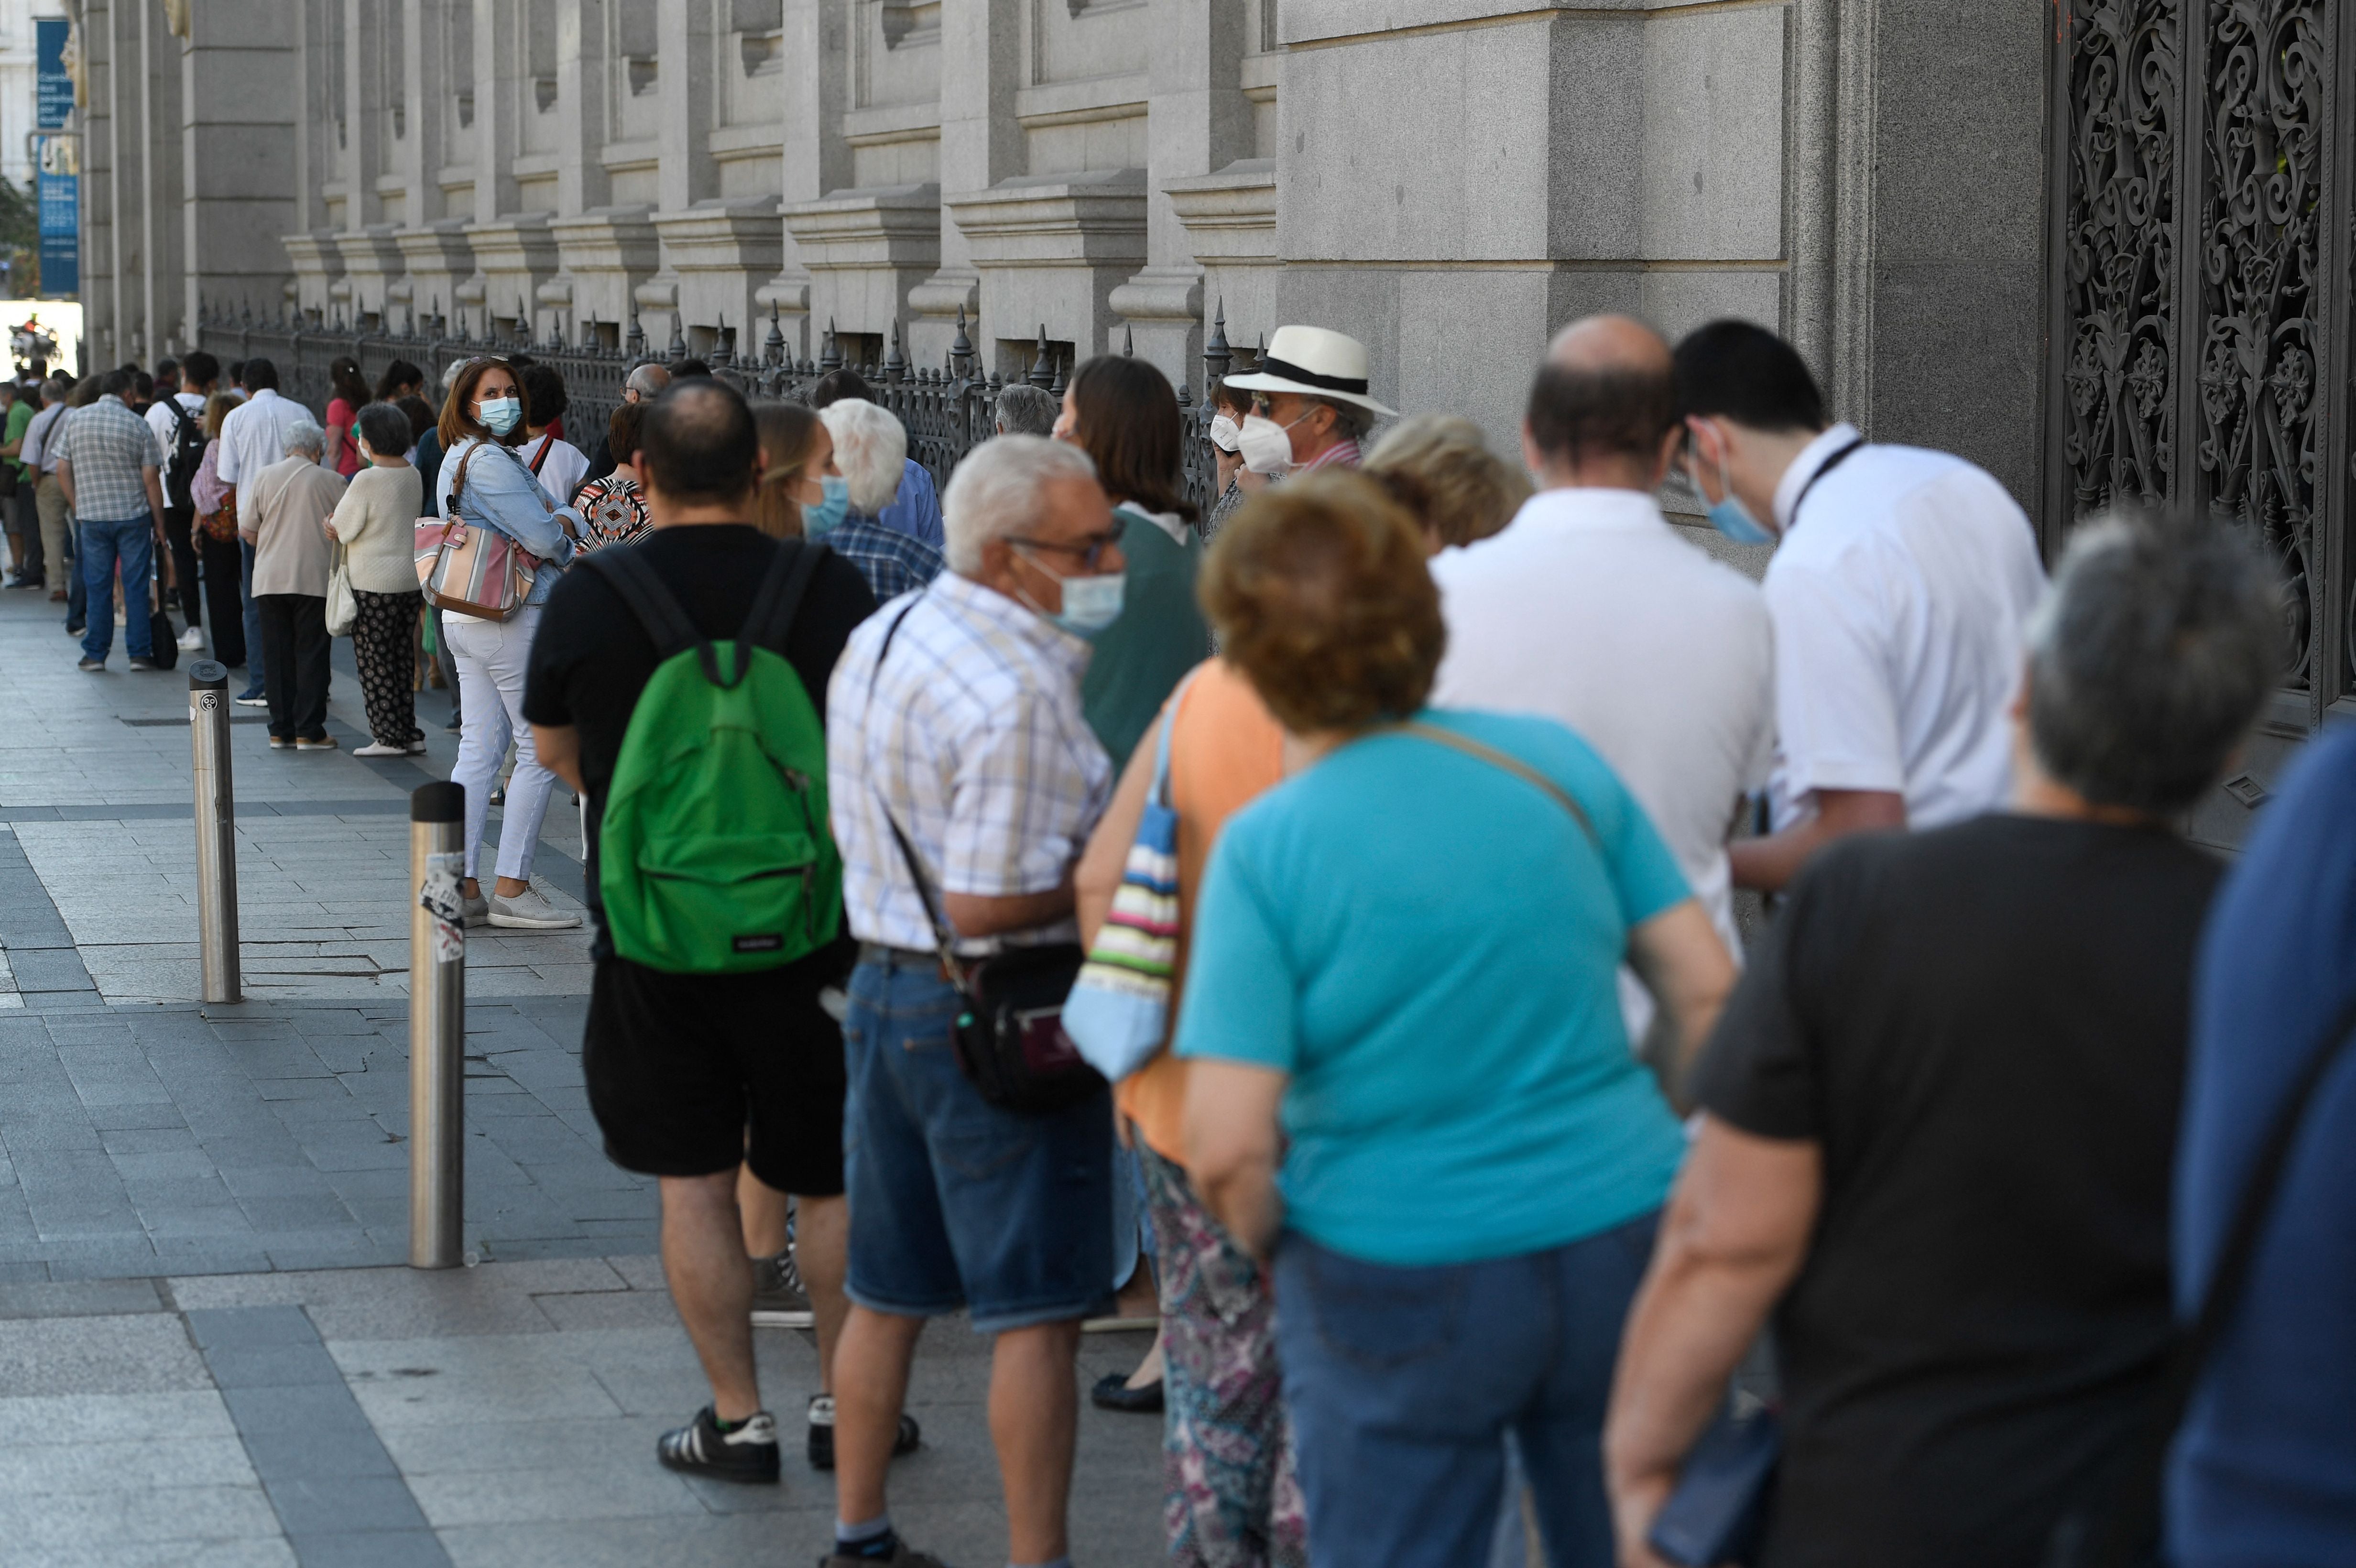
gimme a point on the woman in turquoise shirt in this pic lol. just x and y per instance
(1412, 1085)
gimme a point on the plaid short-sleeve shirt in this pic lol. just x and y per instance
(108, 445)
(973, 732)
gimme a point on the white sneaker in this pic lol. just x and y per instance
(475, 911)
(379, 749)
(530, 910)
(191, 640)
(416, 748)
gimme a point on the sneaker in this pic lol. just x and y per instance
(903, 1556)
(779, 1299)
(453, 727)
(821, 1437)
(478, 911)
(531, 910)
(701, 1448)
(379, 749)
(93, 665)
(416, 748)
(252, 700)
(315, 743)
(140, 664)
(282, 743)
(192, 639)
(76, 628)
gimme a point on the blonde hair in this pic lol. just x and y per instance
(1441, 468)
(788, 431)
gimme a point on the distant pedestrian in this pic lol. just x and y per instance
(178, 422)
(954, 724)
(556, 463)
(484, 482)
(799, 480)
(254, 438)
(1231, 480)
(1025, 410)
(1440, 467)
(1400, 1004)
(110, 468)
(1309, 396)
(870, 450)
(40, 461)
(1900, 585)
(1148, 629)
(612, 509)
(400, 379)
(376, 522)
(219, 550)
(2264, 1469)
(22, 512)
(282, 513)
(1938, 1117)
(712, 1080)
(1230, 1496)
(349, 394)
(644, 383)
(914, 509)
(1589, 610)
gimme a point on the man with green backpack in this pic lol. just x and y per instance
(680, 685)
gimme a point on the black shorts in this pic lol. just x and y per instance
(692, 1074)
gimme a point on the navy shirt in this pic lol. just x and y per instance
(2264, 1467)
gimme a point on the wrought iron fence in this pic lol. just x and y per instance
(947, 411)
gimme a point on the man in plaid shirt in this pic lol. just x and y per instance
(110, 467)
(955, 716)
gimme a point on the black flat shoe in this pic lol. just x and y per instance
(1112, 1392)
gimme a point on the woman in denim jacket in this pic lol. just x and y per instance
(482, 421)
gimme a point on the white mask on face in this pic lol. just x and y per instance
(1224, 433)
(1266, 448)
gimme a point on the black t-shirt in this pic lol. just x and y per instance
(1983, 1027)
(591, 657)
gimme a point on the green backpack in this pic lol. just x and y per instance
(715, 857)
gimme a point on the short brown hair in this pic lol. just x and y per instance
(622, 429)
(1320, 595)
(458, 420)
(1442, 470)
(1129, 424)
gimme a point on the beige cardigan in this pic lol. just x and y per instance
(281, 510)
(377, 520)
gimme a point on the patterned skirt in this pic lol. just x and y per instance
(1233, 1500)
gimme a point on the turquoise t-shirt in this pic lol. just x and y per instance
(1429, 946)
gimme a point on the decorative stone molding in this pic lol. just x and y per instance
(514, 255)
(1230, 221)
(1093, 219)
(713, 256)
(603, 254)
(438, 260)
(373, 266)
(318, 258)
(867, 251)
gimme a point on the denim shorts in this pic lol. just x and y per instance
(955, 1202)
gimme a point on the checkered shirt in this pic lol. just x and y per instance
(893, 562)
(1343, 453)
(972, 732)
(108, 444)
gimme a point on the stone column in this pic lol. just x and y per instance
(1197, 122)
(168, 324)
(435, 258)
(818, 158)
(980, 144)
(239, 93)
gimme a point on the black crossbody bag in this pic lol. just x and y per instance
(1009, 1037)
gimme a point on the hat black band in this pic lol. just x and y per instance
(1270, 365)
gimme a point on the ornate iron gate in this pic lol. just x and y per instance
(2203, 248)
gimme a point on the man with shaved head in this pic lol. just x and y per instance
(1589, 610)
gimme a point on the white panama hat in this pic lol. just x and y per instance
(1315, 363)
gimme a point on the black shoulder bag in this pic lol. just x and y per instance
(1008, 1036)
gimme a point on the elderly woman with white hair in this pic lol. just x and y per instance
(284, 520)
(871, 448)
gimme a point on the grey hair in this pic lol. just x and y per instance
(302, 436)
(647, 380)
(2150, 656)
(995, 492)
(1027, 411)
(871, 448)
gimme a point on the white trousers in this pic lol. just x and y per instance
(491, 656)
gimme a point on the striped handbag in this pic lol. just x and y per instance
(473, 570)
(1118, 1011)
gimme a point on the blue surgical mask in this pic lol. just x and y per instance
(1090, 604)
(828, 515)
(1731, 517)
(499, 414)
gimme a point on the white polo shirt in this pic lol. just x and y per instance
(562, 471)
(253, 436)
(1589, 610)
(1901, 594)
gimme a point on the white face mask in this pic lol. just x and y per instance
(1266, 448)
(1224, 433)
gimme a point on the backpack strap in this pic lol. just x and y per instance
(653, 604)
(773, 607)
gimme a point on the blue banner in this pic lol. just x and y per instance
(54, 87)
(60, 208)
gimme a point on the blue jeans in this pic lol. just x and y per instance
(133, 540)
(1403, 1383)
(955, 1202)
(254, 684)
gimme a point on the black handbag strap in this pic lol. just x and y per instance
(2127, 1528)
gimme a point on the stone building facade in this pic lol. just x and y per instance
(1447, 179)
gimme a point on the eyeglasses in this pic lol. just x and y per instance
(1089, 549)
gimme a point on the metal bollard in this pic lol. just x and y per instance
(216, 830)
(437, 1025)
